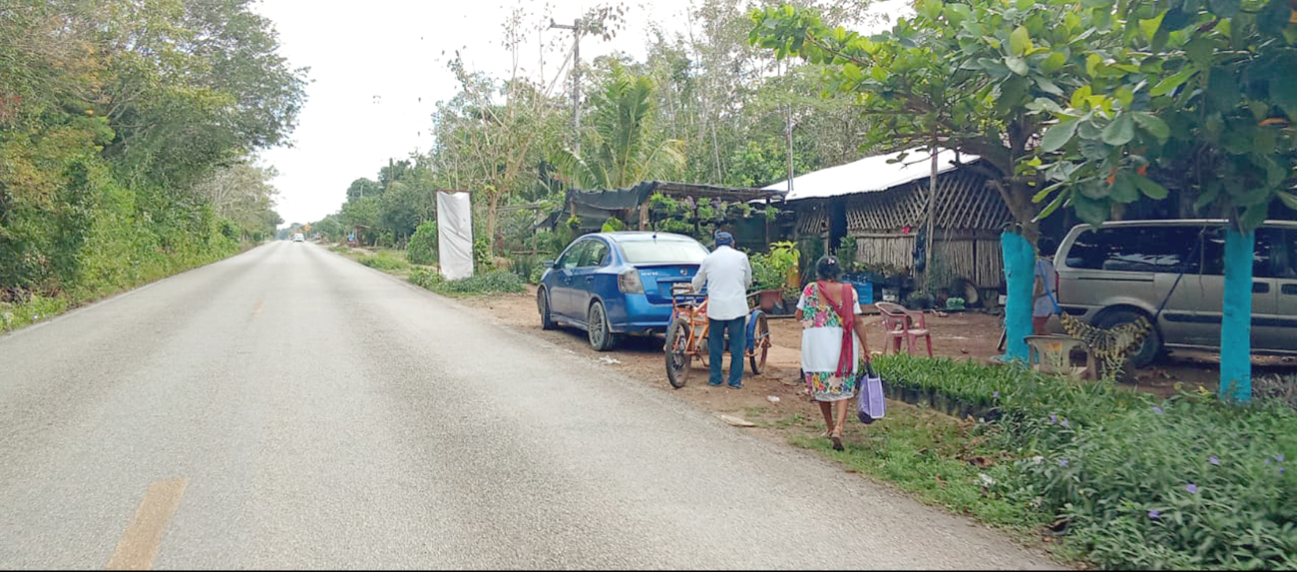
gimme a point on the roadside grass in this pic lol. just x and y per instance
(486, 283)
(18, 315)
(388, 260)
(392, 261)
(103, 279)
(395, 262)
(938, 459)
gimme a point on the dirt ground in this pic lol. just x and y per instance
(967, 335)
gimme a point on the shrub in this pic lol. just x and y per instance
(493, 282)
(423, 244)
(482, 256)
(1281, 388)
(1134, 482)
(770, 271)
(613, 224)
(1192, 484)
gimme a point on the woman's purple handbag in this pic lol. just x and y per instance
(871, 405)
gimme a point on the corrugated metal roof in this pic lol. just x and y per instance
(868, 175)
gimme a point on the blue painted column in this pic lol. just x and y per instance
(1019, 273)
(1236, 325)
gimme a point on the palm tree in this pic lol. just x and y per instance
(623, 149)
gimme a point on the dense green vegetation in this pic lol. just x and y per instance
(127, 133)
(1131, 481)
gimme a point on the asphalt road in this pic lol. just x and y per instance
(289, 408)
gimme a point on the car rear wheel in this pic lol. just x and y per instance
(1146, 353)
(601, 337)
(542, 303)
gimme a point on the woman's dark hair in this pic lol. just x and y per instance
(828, 268)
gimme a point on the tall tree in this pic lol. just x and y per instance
(622, 148)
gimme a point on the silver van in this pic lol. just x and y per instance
(1114, 274)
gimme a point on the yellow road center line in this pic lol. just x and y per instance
(139, 544)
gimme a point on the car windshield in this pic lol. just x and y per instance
(663, 252)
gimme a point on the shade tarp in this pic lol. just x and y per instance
(871, 174)
(633, 197)
(455, 235)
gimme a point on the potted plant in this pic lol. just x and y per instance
(774, 274)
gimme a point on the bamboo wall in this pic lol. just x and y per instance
(967, 224)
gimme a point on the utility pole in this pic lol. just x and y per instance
(788, 133)
(576, 80)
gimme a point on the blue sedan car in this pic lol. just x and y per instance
(617, 283)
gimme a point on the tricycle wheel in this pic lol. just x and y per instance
(760, 345)
(679, 362)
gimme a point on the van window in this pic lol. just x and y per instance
(1287, 265)
(1267, 258)
(1134, 249)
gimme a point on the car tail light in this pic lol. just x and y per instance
(629, 282)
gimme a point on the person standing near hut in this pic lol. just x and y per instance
(833, 344)
(1046, 289)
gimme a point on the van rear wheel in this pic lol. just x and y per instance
(1148, 352)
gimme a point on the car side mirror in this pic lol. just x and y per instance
(548, 263)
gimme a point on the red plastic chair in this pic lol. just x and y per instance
(899, 323)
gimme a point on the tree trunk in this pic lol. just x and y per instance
(492, 211)
(1019, 273)
(1236, 324)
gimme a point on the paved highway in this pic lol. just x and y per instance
(289, 408)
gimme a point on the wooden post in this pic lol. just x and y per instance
(644, 216)
(767, 224)
(932, 207)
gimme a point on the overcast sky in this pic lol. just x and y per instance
(378, 69)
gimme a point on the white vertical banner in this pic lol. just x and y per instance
(455, 235)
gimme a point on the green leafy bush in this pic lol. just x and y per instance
(385, 260)
(1133, 481)
(482, 257)
(1191, 484)
(770, 270)
(613, 224)
(423, 244)
(493, 282)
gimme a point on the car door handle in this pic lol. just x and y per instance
(1288, 289)
(1260, 287)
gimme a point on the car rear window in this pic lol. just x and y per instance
(1133, 249)
(663, 252)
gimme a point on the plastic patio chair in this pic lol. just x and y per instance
(1053, 355)
(901, 324)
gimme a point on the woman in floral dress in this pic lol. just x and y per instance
(833, 344)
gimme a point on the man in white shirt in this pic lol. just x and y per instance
(727, 275)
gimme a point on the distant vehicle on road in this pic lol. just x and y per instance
(613, 284)
(298, 237)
